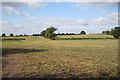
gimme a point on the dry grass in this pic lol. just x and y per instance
(39, 57)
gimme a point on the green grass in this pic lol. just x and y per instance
(40, 57)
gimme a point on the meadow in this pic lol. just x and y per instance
(43, 58)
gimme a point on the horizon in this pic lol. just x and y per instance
(67, 17)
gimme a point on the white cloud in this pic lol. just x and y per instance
(74, 23)
(31, 5)
(13, 12)
(111, 18)
(101, 10)
(37, 4)
(10, 11)
(98, 6)
(21, 28)
(62, 21)
(99, 21)
(57, 21)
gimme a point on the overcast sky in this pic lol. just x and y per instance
(33, 17)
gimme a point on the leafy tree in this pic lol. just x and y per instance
(67, 33)
(3, 35)
(25, 35)
(103, 32)
(108, 32)
(21, 35)
(83, 32)
(62, 33)
(115, 32)
(42, 33)
(11, 34)
(49, 33)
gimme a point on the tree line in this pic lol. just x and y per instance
(46, 33)
(50, 33)
(82, 32)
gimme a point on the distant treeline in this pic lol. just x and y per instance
(49, 33)
(82, 32)
(12, 35)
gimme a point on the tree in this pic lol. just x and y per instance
(83, 32)
(3, 35)
(103, 32)
(67, 33)
(35, 34)
(59, 34)
(49, 33)
(20, 35)
(115, 32)
(62, 33)
(11, 34)
(25, 35)
(108, 32)
(42, 33)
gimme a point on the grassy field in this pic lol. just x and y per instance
(86, 36)
(40, 57)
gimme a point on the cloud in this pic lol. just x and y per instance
(74, 23)
(56, 21)
(113, 18)
(36, 27)
(98, 6)
(99, 21)
(13, 12)
(101, 10)
(44, 19)
(31, 5)
(109, 19)
(37, 4)
(22, 28)
(9, 25)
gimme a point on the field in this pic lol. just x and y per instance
(86, 36)
(44, 58)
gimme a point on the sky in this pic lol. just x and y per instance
(67, 17)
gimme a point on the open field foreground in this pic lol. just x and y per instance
(44, 58)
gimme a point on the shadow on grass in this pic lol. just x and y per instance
(6, 51)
